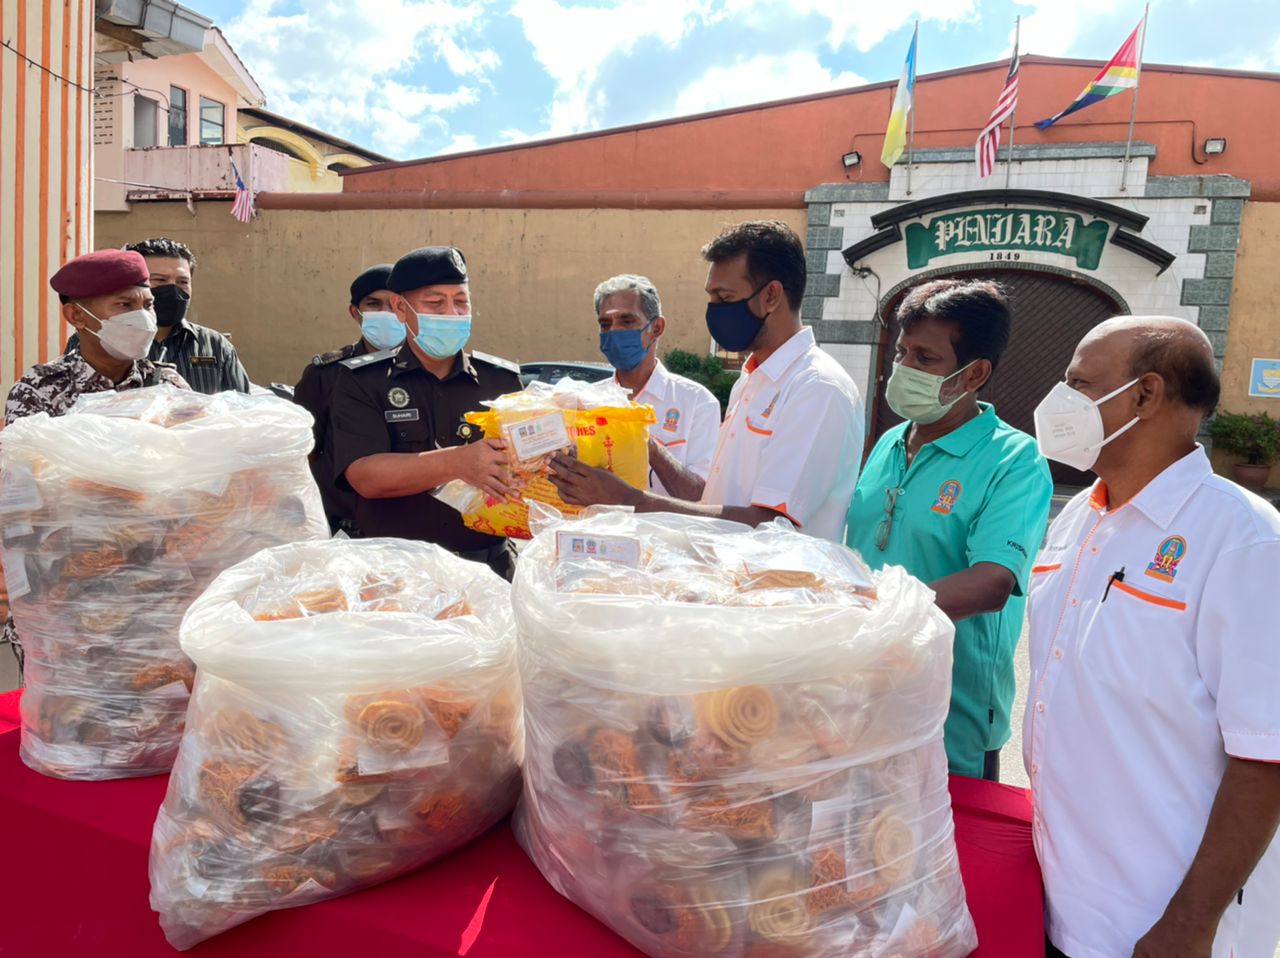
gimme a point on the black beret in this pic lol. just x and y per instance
(100, 273)
(429, 266)
(370, 281)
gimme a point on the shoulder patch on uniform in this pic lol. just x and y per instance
(326, 359)
(496, 361)
(355, 362)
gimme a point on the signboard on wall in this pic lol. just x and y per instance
(1004, 232)
(1264, 379)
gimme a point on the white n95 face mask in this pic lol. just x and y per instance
(128, 335)
(1069, 426)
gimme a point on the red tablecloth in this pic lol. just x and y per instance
(75, 883)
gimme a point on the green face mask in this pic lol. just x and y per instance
(916, 395)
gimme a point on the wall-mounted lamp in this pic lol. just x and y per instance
(852, 159)
(1215, 145)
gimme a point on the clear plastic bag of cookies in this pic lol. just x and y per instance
(356, 715)
(734, 741)
(114, 517)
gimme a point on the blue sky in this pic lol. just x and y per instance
(414, 78)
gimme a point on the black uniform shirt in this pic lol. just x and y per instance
(387, 402)
(314, 393)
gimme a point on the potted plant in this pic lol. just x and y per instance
(1256, 438)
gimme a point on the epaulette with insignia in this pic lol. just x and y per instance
(356, 362)
(329, 358)
(496, 361)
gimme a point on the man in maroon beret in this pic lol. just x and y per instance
(106, 296)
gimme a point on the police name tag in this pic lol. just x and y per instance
(537, 437)
(204, 360)
(401, 415)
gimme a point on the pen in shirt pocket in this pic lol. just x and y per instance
(1117, 576)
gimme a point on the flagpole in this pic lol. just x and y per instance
(1008, 163)
(1133, 113)
(911, 134)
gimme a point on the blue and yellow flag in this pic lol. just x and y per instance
(895, 136)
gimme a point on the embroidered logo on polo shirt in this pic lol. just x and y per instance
(398, 397)
(671, 422)
(1168, 556)
(947, 496)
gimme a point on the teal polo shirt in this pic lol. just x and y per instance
(978, 494)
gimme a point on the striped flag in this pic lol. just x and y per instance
(895, 136)
(1120, 74)
(989, 139)
(242, 208)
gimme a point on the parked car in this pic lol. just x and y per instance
(554, 372)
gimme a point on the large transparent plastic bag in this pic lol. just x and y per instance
(115, 517)
(356, 715)
(596, 422)
(734, 741)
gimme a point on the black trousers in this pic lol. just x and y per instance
(991, 766)
(1050, 951)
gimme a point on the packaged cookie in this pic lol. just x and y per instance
(734, 741)
(115, 517)
(356, 714)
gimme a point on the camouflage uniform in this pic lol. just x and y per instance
(54, 388)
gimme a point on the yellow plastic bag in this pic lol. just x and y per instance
(605, 428)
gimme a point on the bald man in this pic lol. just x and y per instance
(1152, 732)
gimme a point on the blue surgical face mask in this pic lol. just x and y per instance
(733, 325)
(442, 336)
(625, 348)
(382, 330)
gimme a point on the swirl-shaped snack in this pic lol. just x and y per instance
(665, 909)
(392, 724)
(160, 674)
(740, 716)
(243, 734)
(893, 846)
(778, 912)
(282, 880)
(716, 931)
(300, 834)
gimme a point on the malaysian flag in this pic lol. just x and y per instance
(988, 144)
(242, 208)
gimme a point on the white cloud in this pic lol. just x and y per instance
(760, 78)
(572, 42)
(461, 143)
(340, 65)
(861, 25)
(1053, 26)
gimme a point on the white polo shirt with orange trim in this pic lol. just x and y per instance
(1140, 692)
(688, 421)
(792, 439)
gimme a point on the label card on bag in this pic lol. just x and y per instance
(537, 437)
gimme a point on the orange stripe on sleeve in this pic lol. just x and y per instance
(1046, 568)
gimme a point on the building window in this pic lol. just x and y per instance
(177, 116)
(145, 113)
(213, 121)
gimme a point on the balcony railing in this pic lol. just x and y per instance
(202, 172)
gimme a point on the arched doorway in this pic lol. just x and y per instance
(1052, 311)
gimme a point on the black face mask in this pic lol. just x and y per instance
(171, 304)
(733, 325)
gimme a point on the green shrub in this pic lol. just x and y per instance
(1256, 437)
(707, 370)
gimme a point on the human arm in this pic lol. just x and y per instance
(233, 372)
(583, 485)
(680, 482)
(981, 588)
(389, 475)
(1241, 826)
